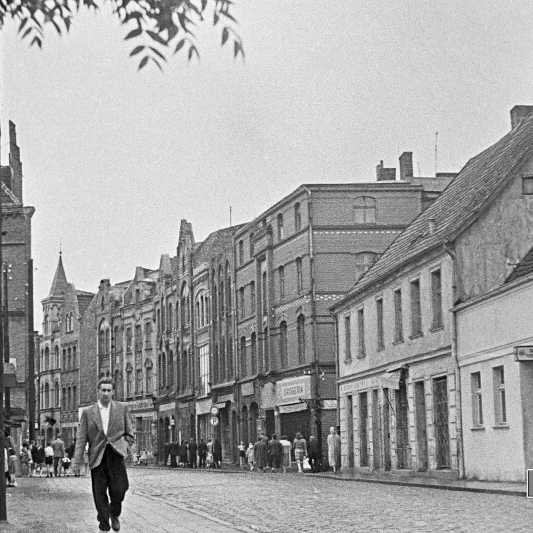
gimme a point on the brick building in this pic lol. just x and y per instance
(292, 263)
(18, 304)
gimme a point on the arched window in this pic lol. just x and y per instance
(243, 356)
(56, 394)
(241, 252)
(215, 364)
(107, 340)
(266, 350)
(252, 245)
(46, 395)
(253, 342)
(101, 342)
(280, 227)
(281, 277)
(221, 299)
(164, 369)
(283, 345)
(69, 359)
(169, 317)
(64, 362)
(301, 338)
(184, 364)
(163, 318)
(46, 325)
(265, 293)
(228, 296)
(56, 358)
(365, 210)
(149, 376)
(229, 372)
(74, 357)
(297, 217)
(64, 399)
(299, 275)
(47, 358)
(69, 399)
(222, 367)
(129, 380)
(75, 398)
(171, 368)
(118, 386)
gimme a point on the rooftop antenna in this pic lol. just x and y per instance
(436, 149)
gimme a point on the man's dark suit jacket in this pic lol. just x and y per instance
(119, 433)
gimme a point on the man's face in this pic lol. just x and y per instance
(105, 393)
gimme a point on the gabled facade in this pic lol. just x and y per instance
(399, 382)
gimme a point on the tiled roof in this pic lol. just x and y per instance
(457, 207)
(523, 269)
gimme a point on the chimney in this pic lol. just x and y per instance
(14, 161)
(385, 174)
(406, 166)
(520, 113)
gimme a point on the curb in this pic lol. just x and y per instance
(427, 485)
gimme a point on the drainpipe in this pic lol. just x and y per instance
(317, 402)
(447, 246)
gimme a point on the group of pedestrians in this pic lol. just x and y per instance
(36, 460)
(202, 455)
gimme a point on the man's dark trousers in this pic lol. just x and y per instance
(110, 475)
(57, 462)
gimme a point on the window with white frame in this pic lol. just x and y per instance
(203, 356)
(477, 399)
(500, 405)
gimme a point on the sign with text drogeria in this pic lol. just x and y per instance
(292, 389)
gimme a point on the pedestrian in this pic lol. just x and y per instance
(37, 454)
(184, 459)
(250, 456)
(287, 448)
(300, 451)
(6, 467)
(31, 447)
(12, 457)
(65, 463)
(48, 459)
(166, 454)
(312, 451)
(210, 461)
(217, 453)
(275, 453)
(193, 454)
(260, 454)
(242, 454)
(59, 451)
(334, 448)
(202, 453)
(143, 458)
(25, 458)
(107, 427)
(174, 450)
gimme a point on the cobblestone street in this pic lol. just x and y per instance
(170, 501)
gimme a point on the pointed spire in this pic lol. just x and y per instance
(59, 285)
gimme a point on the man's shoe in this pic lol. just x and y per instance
(115, 523)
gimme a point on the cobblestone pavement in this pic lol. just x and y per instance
(161, 500)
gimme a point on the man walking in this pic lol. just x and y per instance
(59, 451)
(107, 427)
(202, 452)
(312, 454)
(275, 452)
(193, 452)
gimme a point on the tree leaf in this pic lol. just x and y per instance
(25, 34)
(236, 48)
(225, 35)
(136, 50)
(36, 40)
(158, 53)
(22, 24)
(156, 37)
(133, 33)
(204, 4)
(143, 62)
(179, 46)
(157, 63)
(227, 15)
(215, 18)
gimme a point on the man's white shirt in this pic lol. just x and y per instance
(104, 414)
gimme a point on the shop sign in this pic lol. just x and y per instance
(292, 389)
(354, 386)
(329, 404)
(167, 406)
(136, 405)
(523, 353)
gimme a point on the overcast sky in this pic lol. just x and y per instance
(114, 158)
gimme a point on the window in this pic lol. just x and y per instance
(149, 378)
(527, 185)
(299, 275)
(254, 353)
(265, 293)
(436, 299)
(280, 227)
(164, 369)
(300, 328)
(281, 271)
(139, 381)
(229, 371)
(147, 334)
(477, 401)
(363, 261)
(47, 396)
(416, 314)
(266, 351)
(137, 295)
(203, 355)
(69, 398)
(347, 338)
(398, 316)
(243, 356)
(297, 218)
(171, 368)
(128, 340)
(74, 398)
(241, 302)
(361, 332)
(379, 323)
(252, 296)
(222, 362)
(138, 338)
(228, 296)
(64, 399)
(64, 366)
(252, 245)
(500, 405)
(241, 252)
(170, 318)
(129, 381)
(47, 358)
(74, 358)
(56, 394)
(283, 361)
(69, 358)
(221, 299)
(365, 210)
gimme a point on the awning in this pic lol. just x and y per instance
(10, 375)
(292, 408)
(391, 380)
